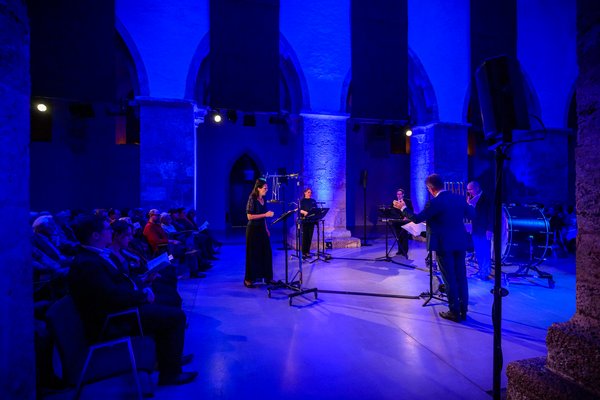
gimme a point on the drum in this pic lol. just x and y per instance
(525, 235)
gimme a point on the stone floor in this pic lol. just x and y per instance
(343, 346)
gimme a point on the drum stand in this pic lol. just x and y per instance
(431, 294)
(523, 271)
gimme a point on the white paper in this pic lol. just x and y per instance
(415, 229)
(159, 262)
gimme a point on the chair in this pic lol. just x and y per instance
(83, 362)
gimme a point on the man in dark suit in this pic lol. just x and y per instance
(482, 228)
(446, 235)
(99, 288)
(400, 233)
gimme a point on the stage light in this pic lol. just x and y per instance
(217, 118)
(408, 131)
(41, 107)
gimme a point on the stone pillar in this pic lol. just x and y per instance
(324, 170)
(167, 153)
(17, 360)
(437, 148)
(572, 367)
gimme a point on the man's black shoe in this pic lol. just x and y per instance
(463, 316)
(179, 379)
(449, 315)
(186, 359)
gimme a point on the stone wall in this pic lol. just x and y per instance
(572, 367)
(17, 361)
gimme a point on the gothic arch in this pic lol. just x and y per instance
(293, 87)
(423, 106)
(141, 86)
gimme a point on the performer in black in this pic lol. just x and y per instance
(307, 204)
(447, 236)
(482, 228)
(401, 234)
(259, 260)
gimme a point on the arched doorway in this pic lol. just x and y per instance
(241, 182)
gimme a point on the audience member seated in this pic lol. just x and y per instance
(113, 215)
(163, 283)
(160, 242)
(46, 239)
(98, 288)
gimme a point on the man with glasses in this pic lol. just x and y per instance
(447, 236)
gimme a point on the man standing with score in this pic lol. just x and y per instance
(447, 236)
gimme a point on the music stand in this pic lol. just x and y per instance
(388, 216)
(295, 286)
(316, 216)
(432, 294)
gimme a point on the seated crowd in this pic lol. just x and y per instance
(101, 260)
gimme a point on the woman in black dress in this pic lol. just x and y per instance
(259, 261)
(307, 204)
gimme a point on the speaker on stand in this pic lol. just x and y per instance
(363, 183)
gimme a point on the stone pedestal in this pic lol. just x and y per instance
(167, 146)
(324, 170)
(572, 368)
(437, 148)
(17, 360)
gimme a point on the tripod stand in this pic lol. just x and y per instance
(290, 284)
(431, 294)
(389, 249)
(523, 270)
(316, 216)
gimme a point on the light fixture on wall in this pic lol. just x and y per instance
(249, 120)
(214, 116)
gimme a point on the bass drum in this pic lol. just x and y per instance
(525, 235)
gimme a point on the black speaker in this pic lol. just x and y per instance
(501, 91)
(363, 178)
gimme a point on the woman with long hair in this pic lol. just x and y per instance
(259, 260)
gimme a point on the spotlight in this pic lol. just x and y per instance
(217, 118)
(41, 107)
(408, 131)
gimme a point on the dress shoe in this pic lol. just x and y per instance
(179, 379)
(186, 359)
(463, 316)
(449, 315)
(249, 284)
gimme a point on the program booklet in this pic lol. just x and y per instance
(159, 262)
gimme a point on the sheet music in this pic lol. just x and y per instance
(415, 229)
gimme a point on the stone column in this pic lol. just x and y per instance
(324, 170)
(17, 360)
(437, 148)
(167, 148)
(572, 368)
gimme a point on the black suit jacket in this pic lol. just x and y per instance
(99, 288)
(484, 216)
(444, 216)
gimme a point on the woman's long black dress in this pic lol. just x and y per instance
(259, 260)
(308, 228)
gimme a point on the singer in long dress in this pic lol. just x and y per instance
(259, 259)
(308, 228)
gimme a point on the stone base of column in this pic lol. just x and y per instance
(531, 379)
(340, 238)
